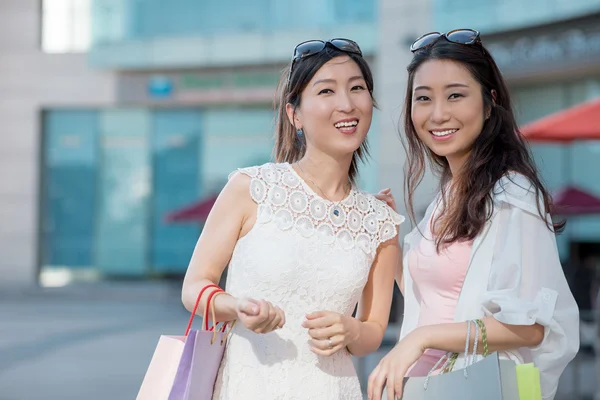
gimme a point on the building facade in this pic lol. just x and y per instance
(151, 114)
(151, 105)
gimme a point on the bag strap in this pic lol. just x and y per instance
(211, 304)
(479, 327)
(450, 358)
(187, 331)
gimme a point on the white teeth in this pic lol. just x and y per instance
(346, 124)
(443, 133)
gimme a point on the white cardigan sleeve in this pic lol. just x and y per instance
(527, 284)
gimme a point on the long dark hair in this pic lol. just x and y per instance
(289, 147)
(497, 151)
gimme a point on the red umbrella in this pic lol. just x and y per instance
(195, 212)
(581, 122)
(574, 201)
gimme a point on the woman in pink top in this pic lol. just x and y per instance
(438, 279)
(485, 249)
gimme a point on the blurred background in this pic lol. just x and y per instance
(123, 118)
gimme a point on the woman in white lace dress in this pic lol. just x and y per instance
(304, 246)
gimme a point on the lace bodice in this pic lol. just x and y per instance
(302, 257)
(282, 196)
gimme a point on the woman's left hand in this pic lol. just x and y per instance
(392, 369)
(387, 196)
(330, 331)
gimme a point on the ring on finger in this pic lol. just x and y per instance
(330, 343)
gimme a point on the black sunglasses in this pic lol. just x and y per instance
(312, 47)
(459, 36)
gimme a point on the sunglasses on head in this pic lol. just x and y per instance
(459, 36)
(312, 47)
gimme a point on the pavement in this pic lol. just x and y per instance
(94, 341)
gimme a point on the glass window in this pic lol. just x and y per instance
(69, 188)
(66, 26)
(176, 181)
(124, 193)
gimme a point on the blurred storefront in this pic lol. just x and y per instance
(112, 175)
(150, 107)
(194, 92)
(551, 67)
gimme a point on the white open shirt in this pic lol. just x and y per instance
(514, 275)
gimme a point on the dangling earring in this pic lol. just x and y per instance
(299, 132)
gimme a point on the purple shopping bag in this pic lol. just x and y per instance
(200, 361)
(186, 367)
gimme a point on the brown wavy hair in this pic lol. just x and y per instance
(498, 150)
(289, 147)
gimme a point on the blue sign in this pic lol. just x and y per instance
(160, 87)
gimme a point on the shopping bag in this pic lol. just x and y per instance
(489, 379)
(177, 359)
(161, 373)
(528, 379)
(200, 362)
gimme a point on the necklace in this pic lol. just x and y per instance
(336, 205)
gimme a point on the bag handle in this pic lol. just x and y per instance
(478, 324)
(187, 331)
(450, 358)
(211, 304)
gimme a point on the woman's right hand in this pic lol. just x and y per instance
(259, 316)
(387, 196)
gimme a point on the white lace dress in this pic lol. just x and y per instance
(302, 257)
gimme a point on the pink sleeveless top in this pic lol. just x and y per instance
(438, 280)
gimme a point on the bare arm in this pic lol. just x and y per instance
(500, 337)
(331, 331)
(231, 217)
(374, 308)
(448, 337)
(386, 195)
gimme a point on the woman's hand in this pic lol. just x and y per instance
(386, 195)
(330, 331)
(392, 369)
(259, 316)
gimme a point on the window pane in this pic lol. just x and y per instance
(123, 193)
(65, 26)
(55, 26)
(70, 169)
(176, 183)
(81, 26)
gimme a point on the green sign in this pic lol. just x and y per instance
(201, 82)
(262, 79)
(192, 81)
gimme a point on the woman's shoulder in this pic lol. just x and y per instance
(371, 220)
(515, 189)
(378, 207)
(267, 171)
(259, 179)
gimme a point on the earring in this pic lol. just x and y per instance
(300, 132)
